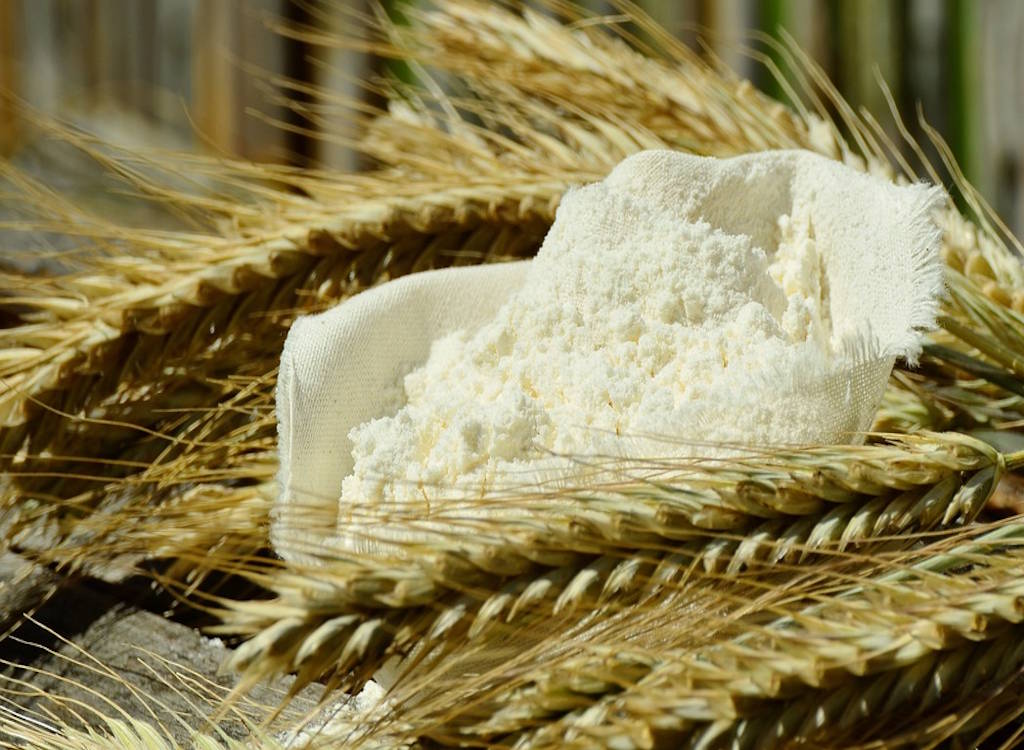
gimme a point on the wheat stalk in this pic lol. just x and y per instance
(894, 709)
(590, 73)
(202, 313)
(890, 620)
(750, 674)
(613, 561)
(380, 236)
(128, 733)
(356, 612)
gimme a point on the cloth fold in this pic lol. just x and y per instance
(339, 369)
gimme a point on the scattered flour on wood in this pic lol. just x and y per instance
(632, 323)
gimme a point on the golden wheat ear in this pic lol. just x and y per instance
(580, 553)
(733, 694)
(716, 655)
(136, 412)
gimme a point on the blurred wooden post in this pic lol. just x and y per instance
(9, 23)
(172, 63)
(727, 24)
(999, 107)
(869, 38)
(123, 47)
(926, 72)
(338, 78)
(234, 53)
(213, 74)
(807, 21)
(676, 16)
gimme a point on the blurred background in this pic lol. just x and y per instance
(198, 74)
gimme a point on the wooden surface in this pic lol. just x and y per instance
(166, 672)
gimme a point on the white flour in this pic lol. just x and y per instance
(634, 326)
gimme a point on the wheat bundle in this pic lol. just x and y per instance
(821, 595)
(583, 554)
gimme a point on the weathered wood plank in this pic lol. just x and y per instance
(86, 653)
(23, 587)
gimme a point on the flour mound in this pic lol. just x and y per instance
(637, 331)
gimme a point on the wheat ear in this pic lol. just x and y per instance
(331, 619)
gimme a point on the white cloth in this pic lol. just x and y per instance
(336, 370)
(883, 275)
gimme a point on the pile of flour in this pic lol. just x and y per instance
(637, 332)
